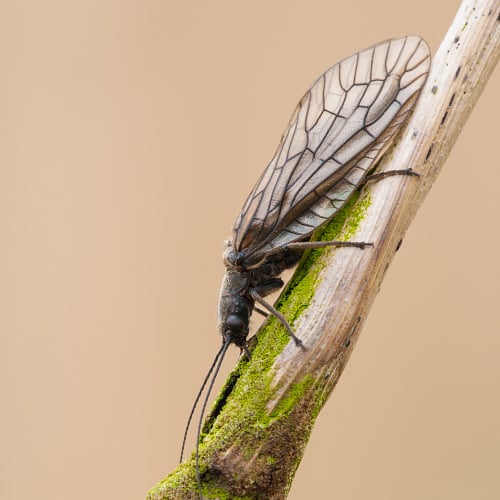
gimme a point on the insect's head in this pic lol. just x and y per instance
(241, 260)
(235, 324)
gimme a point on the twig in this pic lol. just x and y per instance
(261, 423)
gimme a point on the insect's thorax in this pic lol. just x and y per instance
(239, 286)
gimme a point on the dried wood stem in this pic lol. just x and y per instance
(262, 420)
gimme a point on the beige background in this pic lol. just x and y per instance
(131, 133)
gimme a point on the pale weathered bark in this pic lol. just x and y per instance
(260, 426)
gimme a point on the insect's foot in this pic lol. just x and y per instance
(404, 171)
(409, 171)
(361, 244)
(298, 342)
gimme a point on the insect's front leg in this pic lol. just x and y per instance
(275, 312)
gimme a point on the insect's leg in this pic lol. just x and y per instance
(390, 173)
(290, 257)
(261, 312)
(246, 352)
(302, 245)
(276, 313)
(267, 287)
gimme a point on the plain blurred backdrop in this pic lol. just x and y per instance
(130, 134)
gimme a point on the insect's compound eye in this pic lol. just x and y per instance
(233, 258)
(235, 323)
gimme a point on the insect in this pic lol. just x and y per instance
(338, 131)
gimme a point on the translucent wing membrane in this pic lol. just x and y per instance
(338, 130)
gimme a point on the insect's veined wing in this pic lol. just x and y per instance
(337, 131)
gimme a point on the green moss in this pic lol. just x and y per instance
(302, 286)
(221, 494)
(295, 393)
(243, 418)
(247, 405)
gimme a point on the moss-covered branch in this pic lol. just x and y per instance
(255, 437)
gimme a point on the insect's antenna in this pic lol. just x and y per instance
(218, 359)
(197, 399)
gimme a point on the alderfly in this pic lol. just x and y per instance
(338, 131)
